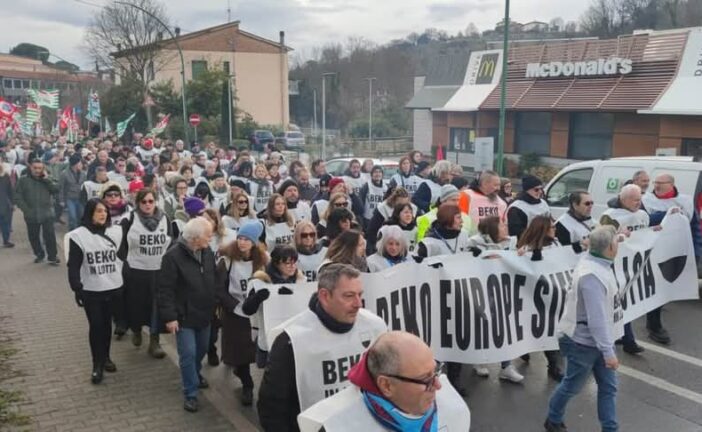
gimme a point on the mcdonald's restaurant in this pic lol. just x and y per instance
(566, 101)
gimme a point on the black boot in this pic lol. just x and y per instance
(110, 366)
(96, 376)
(453, 373)
(247, 396)
(213, 358)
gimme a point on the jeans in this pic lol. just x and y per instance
(98, 309)
(75, 209)
(581, 360)
(46, 227)
(192, 347)
(6, 227)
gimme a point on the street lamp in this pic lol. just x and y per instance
(370, 110)
(324, 112)
(231, 102)
(503, 93)
(182, 62)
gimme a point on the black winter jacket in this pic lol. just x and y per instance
(187, 287)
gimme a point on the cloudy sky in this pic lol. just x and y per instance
(59, 24)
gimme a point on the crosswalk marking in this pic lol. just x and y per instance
(670, 353)
(661, 384)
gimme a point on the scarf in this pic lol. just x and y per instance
(390, 417)
(672, 194)
(118, 208)
(150, 221)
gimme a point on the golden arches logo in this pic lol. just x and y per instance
(486, 69)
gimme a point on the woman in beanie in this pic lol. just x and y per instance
(278, 223)
(192, 207)
(146, 237)
(239, 211)
(391, 247)
(116, 202)
(239, 260)
(372, 193)
(528, 205)
(311, 252)
(282, 269)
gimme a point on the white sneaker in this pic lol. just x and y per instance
(482, 371)
(510, 374)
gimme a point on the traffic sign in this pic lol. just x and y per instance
(194, 119)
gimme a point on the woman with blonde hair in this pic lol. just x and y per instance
(239, 211)
(221, 235)
(336, 200)
(310, 251)
(278, 223)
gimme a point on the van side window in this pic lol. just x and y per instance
(571, 181)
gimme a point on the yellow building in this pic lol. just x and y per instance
(258, 66)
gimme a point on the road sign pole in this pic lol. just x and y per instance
(196, 134)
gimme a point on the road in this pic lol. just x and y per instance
(660, 390)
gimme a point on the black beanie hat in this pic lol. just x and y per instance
(74, 159)
(286, 184)
(530, 182)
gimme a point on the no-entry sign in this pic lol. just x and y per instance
(194, 119)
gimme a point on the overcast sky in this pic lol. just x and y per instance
(59, 24)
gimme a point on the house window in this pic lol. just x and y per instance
(199, 67)
(35, 84)
(18, 84)
(459, 140)
(25, 84)
(533, 133)
(591, 135)
(7, 83)
(225, 67)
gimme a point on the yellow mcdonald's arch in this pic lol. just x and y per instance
(487, 68)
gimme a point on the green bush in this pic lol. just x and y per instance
(528, 162)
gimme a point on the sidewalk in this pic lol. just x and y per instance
(51, 334)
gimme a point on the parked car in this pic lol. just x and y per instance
(604, 178)
(290, 140)
(259, 138)
(337, 167)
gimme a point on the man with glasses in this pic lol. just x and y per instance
(328, 338)
(528, 204)
(397, 386)
(574, 226)
(665, 196)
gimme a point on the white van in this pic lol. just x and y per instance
(604, 178)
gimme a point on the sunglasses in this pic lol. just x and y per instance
(308, 235)
(147, 201)
(113, 195)
(289, 262)
(242, 202)
(589, 203)
(428, 383)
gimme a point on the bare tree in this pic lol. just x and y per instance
(556, 24)
(122, 28)
(601, 19)
(472, 30)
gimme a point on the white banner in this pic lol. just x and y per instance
(499, 306)
(285, 301)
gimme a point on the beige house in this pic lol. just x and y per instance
(258, 66)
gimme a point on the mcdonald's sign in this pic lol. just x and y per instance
(486, 69)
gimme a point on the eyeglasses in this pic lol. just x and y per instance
(308, 235)
(341, 204)
(589, 203)
(242, 202)
(113, 195)
(428, 383)
(147, 201)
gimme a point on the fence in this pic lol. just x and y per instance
(361, 148)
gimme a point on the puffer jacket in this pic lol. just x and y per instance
(33, 197)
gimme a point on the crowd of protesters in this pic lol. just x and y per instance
(173, 238)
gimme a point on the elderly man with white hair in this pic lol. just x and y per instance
(186, 301)
(587, 330)
(396, 386)
(429, 192)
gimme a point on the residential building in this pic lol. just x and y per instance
(258, 67)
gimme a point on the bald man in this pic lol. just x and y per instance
(397, 386)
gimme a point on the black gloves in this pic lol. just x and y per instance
(79, 298)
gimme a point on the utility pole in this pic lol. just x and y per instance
(314, 115)
(370, 110)
(229, 106)
(324, 112)
(503, 93)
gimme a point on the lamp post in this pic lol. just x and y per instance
(370, 110)
(229, 105)
(314, 115)
(182, 62)
(503, 93)
(324, 112)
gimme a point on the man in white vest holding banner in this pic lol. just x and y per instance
(311, 357)
(528, 204)
(574, 226)
(591, 322)
(397, 386)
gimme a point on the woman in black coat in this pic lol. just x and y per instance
(6, 204)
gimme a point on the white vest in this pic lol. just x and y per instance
(120, 179)
(146, 248)
(631, 221)
(410, 184)
(116, 220)
(278, 233)
(261, 193)
(321, 206)
(531, 210)
(216, 241)
(373, 199)
(579, 230)
(355, 184)
(435, 189)
(301, 212)
(605, 275)
(452, 246)
(323, 358)
(101, 270)
(221, 199)
(346, 411)
(654, 204)
(377, 262)
(411, 237)
(239, 274)
(146, 155)
(234, 224)
(92, 189)
(308, 264)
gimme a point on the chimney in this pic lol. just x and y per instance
(177, 31)
(282, 40)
